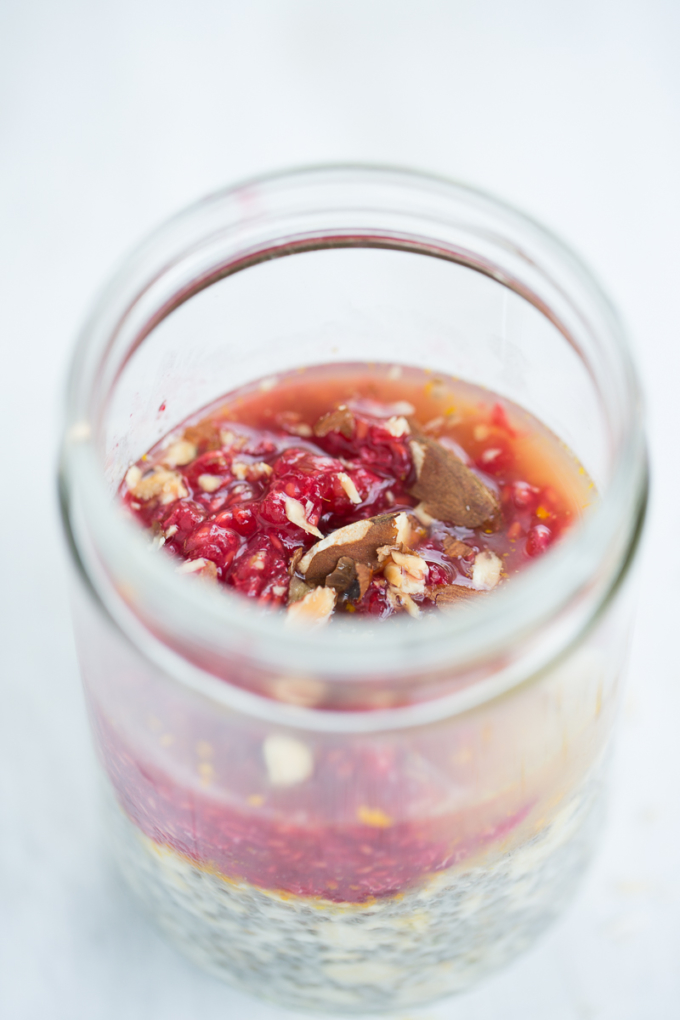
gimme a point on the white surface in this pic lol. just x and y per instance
(112, 116)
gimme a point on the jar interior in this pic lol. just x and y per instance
(349, 304)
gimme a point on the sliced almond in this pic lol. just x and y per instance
(359, 541)
(340, 420)
(314, 608)
(295, 512)
(448, 490)
(350, 488)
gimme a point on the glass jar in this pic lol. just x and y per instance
(362, 817)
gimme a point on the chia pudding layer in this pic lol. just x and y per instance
(435, 938)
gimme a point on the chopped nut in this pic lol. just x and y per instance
(288, 761)
(406, 572)
(210, 483)
(453, 547)
(168, 485)
(133, 477)
(291, 422)
(444, 595)
(205, 435)
(232, 440)
(180, 453)
(448, 489)
(359, 541)
(172, 530)
(350, 488)
(297, 589)
(481, 432)
(314, 608)
(295, 559)
(344, 577)
(397, 426)
(205, 568)
(295, 512)
(340, 420)
(402, 600)
(251, 471)
(421, 513)
(486, 571)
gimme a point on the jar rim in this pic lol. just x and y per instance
(561, 590)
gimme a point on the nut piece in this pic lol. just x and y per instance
(486, 571)
(210, 483)
(350, 578)
(205, 435)
(168, 485)
(297, 589)
(340, 420)
(350, 488)
(445, 595)
(295, 512)
(359, 541)
(180, 453)
(401, 600)
(448, 489)
(453, 547)
(252, 472)
(288, 760)
(314, 608)
(202, 567)
(397, 426)
(406, 572)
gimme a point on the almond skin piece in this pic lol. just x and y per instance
(448, 594)
(350, 579)
(454, 547)
(447, 489)
(340, 420)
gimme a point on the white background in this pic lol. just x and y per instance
(114, 115)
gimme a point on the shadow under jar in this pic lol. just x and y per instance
(442, 777)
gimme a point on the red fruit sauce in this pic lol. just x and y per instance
(257, 446)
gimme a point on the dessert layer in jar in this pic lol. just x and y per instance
(361, 492)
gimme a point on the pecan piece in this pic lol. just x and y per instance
(447, 488)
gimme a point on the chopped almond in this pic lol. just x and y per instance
(315, 608)
(202, 567)
(453, 547)
(486, 571)
(406, 572)
(205, 435)
(350, 488)
(340, 420)
(295, 512)
(209, 483)
(167, 485)
(398, 426)
(180, 453)
(359, 541)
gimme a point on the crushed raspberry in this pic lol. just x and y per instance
(261, 490)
